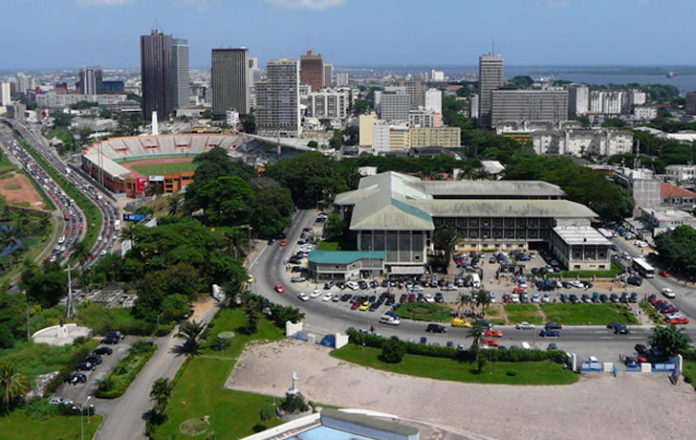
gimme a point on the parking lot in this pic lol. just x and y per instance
(78, 393)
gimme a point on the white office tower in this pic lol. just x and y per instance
(490, 79)
(437, 75)
(341, 79)
(578, 99)
(5, 93)
(474, 106)
(23, 83)
(395, 104)
(181, 88)
(433, 100)
(278, 99)
(380, 143)
(155, 124)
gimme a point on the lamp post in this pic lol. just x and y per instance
(82, 425)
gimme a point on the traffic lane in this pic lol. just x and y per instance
(78, 393)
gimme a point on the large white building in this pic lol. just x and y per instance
(437, 75)
(578, 99)
(424, 118)
(380, 133)
(53, 100)
(644, 113)
(581, 141)
(278, 99)
(394, 104)
(528, 106)
(606, 102)
(681, 173)
(433, 100)
(341, 79)
(328, 104)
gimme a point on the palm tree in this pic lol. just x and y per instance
(236, 241)
(160, 393)
(475, 332)
(127, 234)
(483, 299)
(174, 202)
(463, 300)
(14, 384)
(190, 330)
(445, 239)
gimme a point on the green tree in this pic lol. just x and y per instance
(475, 332)
(312, 144)
(670, 340)
(483, 299)
(14, 384)
(83, 255)
(335, 228)
(161, 392)
(521, 82)
(46, 285)
(174, 306)
(614, 123)
(445, 239)
(270, 208)
(251, 317)
(190, 330)
(678, 248)
(392, 351)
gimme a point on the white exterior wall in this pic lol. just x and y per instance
(433, 100)
(646, 113)
(681, 173)
(381, 137)
(583, 141)
(5, 93)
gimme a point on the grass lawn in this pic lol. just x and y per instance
(424, 311)
(689, 372)
(12, 187)
(5, 164)
(36, 359)
(523, 312)
(568, 274)
(18, 426)
(588, 314)
(126, 370)
(328, 246)
(100, 320)
(199, 385)
(160, 169)
(525, 373)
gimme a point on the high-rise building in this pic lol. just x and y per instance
(328, 104)
(394, 104)
(312, 71)
(474, 106)
(437, 75)
(278, 99)
(691, 103)
(528, 106)
(433, 100)
(367, 129)
(341, 79)
(578, 99)
(156, 74)
(181, 87)
(23, 83)
(490, 78)
(5, 93)
(328, 74)
(90, 81)
(231, 81)
(415, 90)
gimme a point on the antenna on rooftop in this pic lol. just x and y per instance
(155, 25)
(492, 45)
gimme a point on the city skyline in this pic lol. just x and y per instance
(550, 34)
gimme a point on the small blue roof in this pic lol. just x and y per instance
(343, 257)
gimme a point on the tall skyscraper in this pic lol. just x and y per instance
(414, 89)
(328, 74)
(395, 104)
(578, 99)
(5, 93)
(90, 81)
(181, 88)
(433, 100)
(490, 78)
(278, 99)
(230, 81)
(23, 83)
(312, 70)
(156, 74)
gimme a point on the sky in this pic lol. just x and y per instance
(72, 33)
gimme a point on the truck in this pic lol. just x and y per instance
(117, 225)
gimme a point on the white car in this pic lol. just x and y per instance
(669, 293)
(577, 284)
(526, 346)
(535, 298)
(429, 298)
(515, 298)
(303, 296)
(493, 298)
(352, 285)
(327, 297)
(546, 298)
(315, 294)
(389, 319)
(524, 326)
(336, 298)
(675, 315)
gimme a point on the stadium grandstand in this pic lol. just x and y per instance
(138, 165)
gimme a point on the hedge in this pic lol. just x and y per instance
(497, 355)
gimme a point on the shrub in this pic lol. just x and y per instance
(392, 351)
(106, 385)
(40, 409)
(259, 427)
(294, 403)
(220, 344)
(511, 373)
(267, 413)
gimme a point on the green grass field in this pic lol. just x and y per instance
(689, 372)
(126, 370)
(525, 373)
(424, 311)
(160, 169)
(587, 314)
(199, 385)
(523, 312)
(18, 426)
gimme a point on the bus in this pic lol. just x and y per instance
(606, 234)
(643, 268)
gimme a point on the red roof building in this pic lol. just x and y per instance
(674, 195)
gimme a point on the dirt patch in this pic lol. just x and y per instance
(18, 190)
(597, 406)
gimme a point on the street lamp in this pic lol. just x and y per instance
(82, 424)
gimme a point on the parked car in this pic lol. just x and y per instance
(435, 328)
(85, 366)
(630, 362)
(634, 281)
(669, 293)
(75, 378)
(679, 320)
(94, 359)
(552, 346)
(439, 297)
(103, 351)
(641, 349)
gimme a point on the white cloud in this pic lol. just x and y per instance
(201, 5)
(102, 2)
(312, 5)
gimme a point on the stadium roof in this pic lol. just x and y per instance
(394, 201)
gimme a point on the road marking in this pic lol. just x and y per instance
(605, 337)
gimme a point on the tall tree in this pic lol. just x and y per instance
(483, 299)
(190, 330)
(670, 340)
(445, 239)
(161, 392)
(475, 332)
(14, 384)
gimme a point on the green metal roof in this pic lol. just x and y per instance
(343, 257)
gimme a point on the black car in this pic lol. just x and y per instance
(439, 298)
(75, 378)
(552, 346)
(271, 241)
(614, 324)
(435, 328)
(110, 340)
(641, 349)
(483, 323)
(614, 298)
(603, 297)
(94, 359)
(103, 351)
(85, 366)
(115, 334)
(634, 281)
(574, 298)
(423, 340)
(553, 326)
(633, 298)
(621, 330)
(564, 298)
(624, 297)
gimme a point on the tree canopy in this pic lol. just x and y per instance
(678, 248)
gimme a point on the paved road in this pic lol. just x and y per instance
(330, 317)
(124, 416)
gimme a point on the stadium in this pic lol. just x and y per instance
(141, 165)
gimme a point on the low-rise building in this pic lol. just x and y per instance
(681, 173)
(581, 141)
(644, 113)
(345, 265)
(521, 106)
(328, 104)
(449, 137)
(673, 195)
(54, 100)
(661, 220)
(580, 248)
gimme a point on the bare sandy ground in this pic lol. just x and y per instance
(18, 188)
(599, 406)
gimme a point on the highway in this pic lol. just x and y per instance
(328, 317)
(75, 220)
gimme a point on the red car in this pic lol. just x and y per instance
(665, 274)
(355, 305)
(284, 243)
(490, 342)
(279, 288)
(411, 297)
(494, 333)
(669, 310)
(679, 320)
(403, 298)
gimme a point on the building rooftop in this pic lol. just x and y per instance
(669, 190)
(575, 235)
(368, 422)
(505, 208)
(343, 257)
